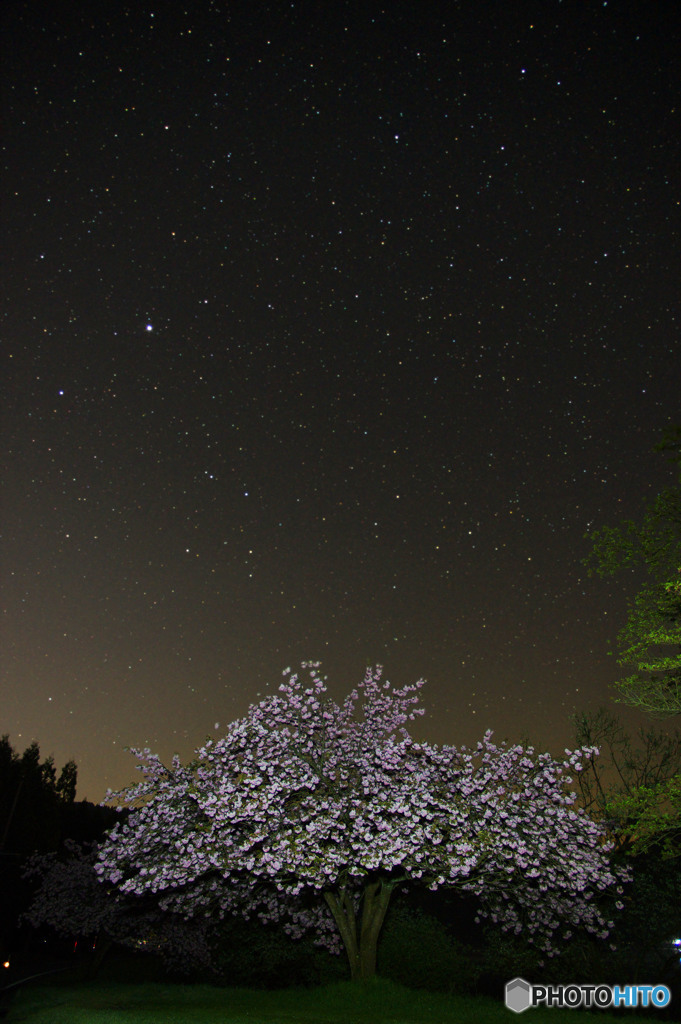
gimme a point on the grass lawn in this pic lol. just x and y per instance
(380, 1002)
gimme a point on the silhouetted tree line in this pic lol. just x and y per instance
(38, 812)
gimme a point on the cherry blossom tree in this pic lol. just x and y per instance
(313, 812)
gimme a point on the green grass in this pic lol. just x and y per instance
(380, 1002)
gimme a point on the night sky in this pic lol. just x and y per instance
(328, 331)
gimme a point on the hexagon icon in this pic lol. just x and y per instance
(518, 995)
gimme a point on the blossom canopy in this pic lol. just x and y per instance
(307, 807)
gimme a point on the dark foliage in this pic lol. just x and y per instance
(38, 812)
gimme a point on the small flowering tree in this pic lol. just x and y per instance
(313, 812)
(70, 898)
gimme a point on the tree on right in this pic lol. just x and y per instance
(650, 641)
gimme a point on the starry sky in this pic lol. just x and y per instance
(328, 331)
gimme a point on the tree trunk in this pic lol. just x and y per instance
(361, 949)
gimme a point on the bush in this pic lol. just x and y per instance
(416, 949)
(255, 955)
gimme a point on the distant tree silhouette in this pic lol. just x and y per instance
(29, 813)
(65, 787)
(38, 811)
